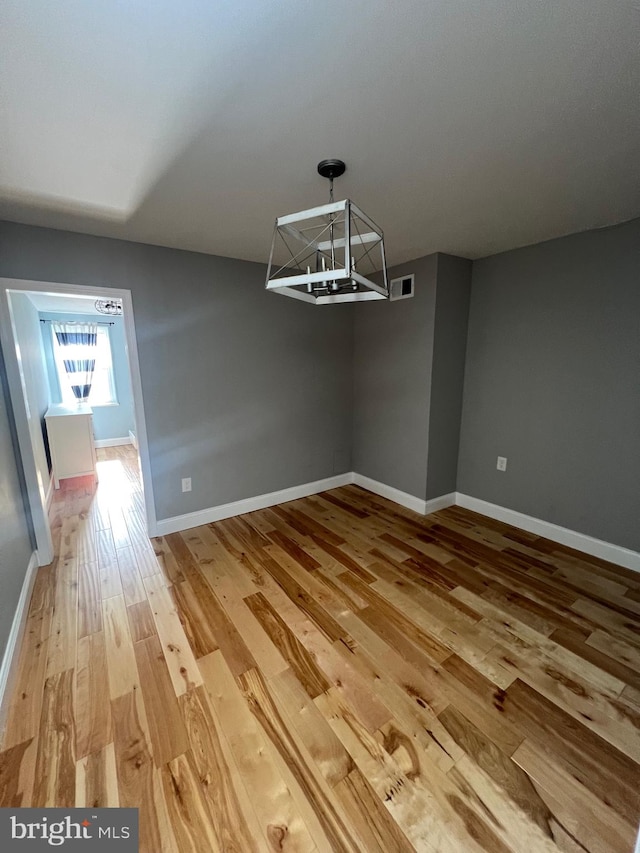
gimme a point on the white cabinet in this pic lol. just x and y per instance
(70, 434)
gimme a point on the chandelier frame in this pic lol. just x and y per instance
(338, 276)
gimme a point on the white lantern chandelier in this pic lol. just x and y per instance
(328, 254)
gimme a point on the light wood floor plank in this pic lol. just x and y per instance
(141, 622)
(17, 774)
(293, 651)
(222, 788)
(132, 586)
(93, 716)
(272, 800)
(23, 717)
(426, 825)
(134, 768)
(89, 599)
(196, 626)
(188, 811)
(121, 660)
(372, 822)
(576, 808)
(55, 772)
(608, 773)
(332, 759)
(62, 636)
(96, 779)
(183, 668)
(318, 805)
(166, 727)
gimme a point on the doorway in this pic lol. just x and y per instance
(27, 412)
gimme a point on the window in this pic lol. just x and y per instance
(103, 391)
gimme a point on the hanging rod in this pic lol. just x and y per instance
(78, 322)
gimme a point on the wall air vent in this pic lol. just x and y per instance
(401, 288)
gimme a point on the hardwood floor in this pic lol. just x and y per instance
(333, 674)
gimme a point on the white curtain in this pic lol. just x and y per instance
(78, 344)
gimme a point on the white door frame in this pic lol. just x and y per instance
(36, 494)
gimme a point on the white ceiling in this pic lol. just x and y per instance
(468, 127)
(62, 304)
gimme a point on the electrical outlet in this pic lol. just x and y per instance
(186, 484)
(502, 463)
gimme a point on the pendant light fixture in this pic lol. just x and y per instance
(328, 253)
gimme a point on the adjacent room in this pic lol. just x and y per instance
(320, 424)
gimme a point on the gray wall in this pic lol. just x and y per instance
(29, 341)
(447, 374)
(553, 383)
(112, 421)
(15, 540)
(245, 392)
(393, 347)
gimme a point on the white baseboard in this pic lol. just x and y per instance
(580, 541)
(132, 439)
(218, 513)
(392, 494)
(442, 502)
(14, 640)
(404, 498)
(50, 491)
(112, 442)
